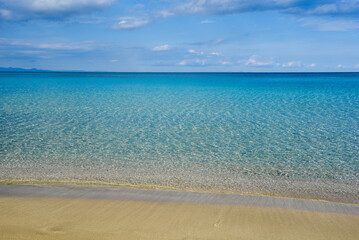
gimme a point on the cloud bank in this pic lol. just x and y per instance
(332, 8)
(18, 10)
(303, 7)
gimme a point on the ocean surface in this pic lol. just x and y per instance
(293, 135)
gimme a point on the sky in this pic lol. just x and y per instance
(181, 36)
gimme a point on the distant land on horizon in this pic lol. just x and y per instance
(12, 69)
(18, 69)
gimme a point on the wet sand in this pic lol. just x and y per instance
(98, 212)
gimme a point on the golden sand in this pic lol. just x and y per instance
(46, 218)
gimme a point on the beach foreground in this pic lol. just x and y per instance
(86, 212)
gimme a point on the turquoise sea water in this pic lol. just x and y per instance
(286, 134)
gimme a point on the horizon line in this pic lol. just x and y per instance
(171, 72)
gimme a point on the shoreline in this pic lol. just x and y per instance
(164, 188)
(333, 191)
(127, 193)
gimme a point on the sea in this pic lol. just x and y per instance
(278, 134)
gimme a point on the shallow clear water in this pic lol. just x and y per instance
(287, 134)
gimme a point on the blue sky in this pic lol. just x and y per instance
(181, 36)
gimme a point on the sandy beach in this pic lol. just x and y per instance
(101, 212)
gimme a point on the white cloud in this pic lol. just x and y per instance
(218, 41)
(161, 48)
(50, 9)
(195, 52)
(164, 13)
(139, 5)
(312, 65)
(226, 63)
(258, 61)
(324, 9)
(114, 60)
(131, 22)
(341, 66)
(5, 14)
(201, 61)
(193, 62)
(292, 64)
(330, 25)
(215, 54)
(255, 60)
